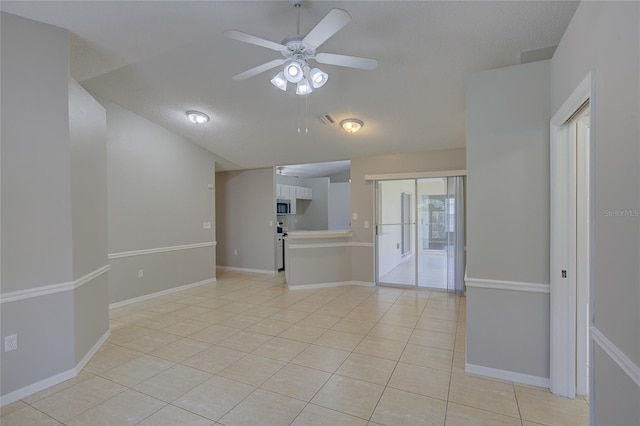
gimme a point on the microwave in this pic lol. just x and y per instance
(283, 207)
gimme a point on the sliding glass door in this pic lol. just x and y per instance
(420, 233)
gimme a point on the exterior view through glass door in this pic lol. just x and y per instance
(420, 233)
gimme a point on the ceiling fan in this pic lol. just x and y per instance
(298, 49)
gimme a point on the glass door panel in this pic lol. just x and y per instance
(395, 232)
(433, 233)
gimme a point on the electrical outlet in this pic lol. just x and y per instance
(355, 216)
(11, 343)
(235, 252)
(366, 224)
(206, 225)
(140, 273)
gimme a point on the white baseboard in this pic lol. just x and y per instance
(24, 392)
(257, 271)
(85, 359)
(511, 376)
(160, 293)
(327, 285)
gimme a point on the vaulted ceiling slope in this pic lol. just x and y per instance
(161, 58)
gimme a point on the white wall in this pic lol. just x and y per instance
(604, 38)
(158, 197)
(508, 218)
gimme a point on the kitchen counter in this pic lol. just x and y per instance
(298, 235)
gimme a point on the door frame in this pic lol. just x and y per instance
(563, 252)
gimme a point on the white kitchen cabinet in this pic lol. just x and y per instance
(302, 193)
(283, 192)
(293, 206)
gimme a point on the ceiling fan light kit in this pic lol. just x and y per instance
(298, 50)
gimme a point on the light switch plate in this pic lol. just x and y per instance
(206, 225)
(11, 343)
(366, 224)
(355, 216)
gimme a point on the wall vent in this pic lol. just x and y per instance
(327, 118)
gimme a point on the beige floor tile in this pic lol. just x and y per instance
(399, 320)
(180, 350)
(370, 315)
(214, 359)
(367, 368)
(252, 369)
(353, 326)
(214, 303)
(194, 300)
(461, 415)
(335, 311)
(214, 316)
(281, 349)
(350, 396)
(126, 334)
(289, 315)
(421, 380)
(297, 381)
(84, 375)
(240, 321)
(137, 370)
(321, 358)
(14, 406)
(441, 314)
(459, 360)
(165, 308)
(186, 327)
(406, 310)
(263, 311)
(433, 339)
(391, 332)
(544, 407)
(303, 333)
(237, 307)
(127, 408)
(70, 402)
(190, 311)
(214, 398)
(381, 348)
(432, 324)
(245, 341)
(339, 340)
(151, 341)
(315, 415)
(27, 416)
(485, 394)
(426, 356)
(398, 407)
(270, 327)
(320, 320)
(172, 383)
(159, 321)
(264, 408)
(174, 416)
(460, 343)
(213, 334)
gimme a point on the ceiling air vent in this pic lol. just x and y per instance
(327, 118)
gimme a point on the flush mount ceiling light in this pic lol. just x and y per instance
(351, 125)
(298, 49)
(197, 117)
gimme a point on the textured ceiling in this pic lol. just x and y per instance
(161, 58)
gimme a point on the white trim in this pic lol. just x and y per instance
(91, 276)
(160, 250)
(327, 285)
(416, 175)
(511, 376)
(18, 394)
(293, 235)
(160, 293)
(30, 293)
(577, 98)
(328, 245)
(629, 367)
(85, 359)
(507, 285)
(257, 271)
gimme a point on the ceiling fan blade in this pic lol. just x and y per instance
(251, 39)
(330, 24)
(346, 61)
(259, 69)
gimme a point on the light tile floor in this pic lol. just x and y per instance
(246, 351)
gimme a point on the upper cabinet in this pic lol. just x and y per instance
(290, 192)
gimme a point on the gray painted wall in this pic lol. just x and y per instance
(508, 217)
(604, 38)
(245, 219)
(339, 205)
(158, 197)
(87, 135)
(313, 215)
(36, 201)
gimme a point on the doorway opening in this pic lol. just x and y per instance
(420, 233)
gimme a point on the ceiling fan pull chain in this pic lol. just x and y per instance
(298, 114)
(306, 113)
